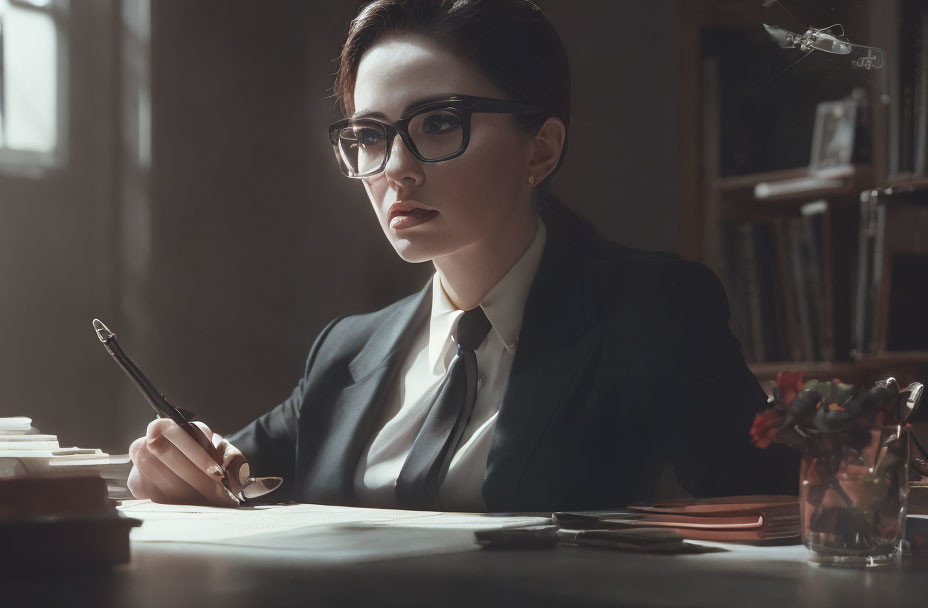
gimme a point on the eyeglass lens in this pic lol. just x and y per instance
(435, 134)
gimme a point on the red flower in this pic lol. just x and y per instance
(765, 427)
(789, 383)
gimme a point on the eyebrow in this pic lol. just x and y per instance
(374, 114)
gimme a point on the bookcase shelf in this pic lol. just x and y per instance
(905, 366)
(905, 179)
(800, 236)
(740, 189)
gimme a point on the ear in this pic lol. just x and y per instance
(547, 146)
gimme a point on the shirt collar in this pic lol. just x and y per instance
(503, 305)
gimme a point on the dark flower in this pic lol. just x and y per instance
(882, 398)
(833, 391)
(803, 407)
(765, 427)
(832, 418)
(802, 411)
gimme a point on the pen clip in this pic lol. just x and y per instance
(155, 399)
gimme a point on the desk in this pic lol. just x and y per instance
(164, 575)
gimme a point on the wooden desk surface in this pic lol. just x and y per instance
(163, 575)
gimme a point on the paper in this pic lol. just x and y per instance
(25, 451)
(195, 524)
(23, 441)
(62, 454)
(17, 424)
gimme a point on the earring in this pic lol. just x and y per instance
(531, 180)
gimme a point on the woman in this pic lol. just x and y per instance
(580, 368)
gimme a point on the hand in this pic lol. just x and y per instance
(170, 466)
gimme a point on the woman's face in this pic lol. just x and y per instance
(472, 198)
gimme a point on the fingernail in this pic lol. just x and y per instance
(244, 473)
(215, 471)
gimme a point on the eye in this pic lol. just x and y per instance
(368, 136)
(440, 123)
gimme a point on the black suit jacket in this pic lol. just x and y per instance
(625, 363)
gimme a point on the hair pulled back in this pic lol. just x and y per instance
(512, 42)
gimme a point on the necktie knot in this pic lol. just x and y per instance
(418, 483)
(472, 328)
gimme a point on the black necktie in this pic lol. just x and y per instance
(427, 463)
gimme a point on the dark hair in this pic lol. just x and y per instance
(512, 42)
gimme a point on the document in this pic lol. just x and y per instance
(320, 533)
(187, 523)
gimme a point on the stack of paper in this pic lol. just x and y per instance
(24, 450)
(323, 533)
(192, 523)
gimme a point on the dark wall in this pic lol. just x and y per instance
(58, 262)
(619, 172)
(256, 239)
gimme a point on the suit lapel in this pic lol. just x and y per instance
(353, 410)
(393, 333)
(554, 343)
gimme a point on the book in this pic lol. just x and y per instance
(755, 307)
(773, 322)
(812, 241)
(37, 496)
(60, 522)
(800, 287)
(892, 264)
(737, 279)
(920, 101)
(906, 88)
(918, 498)
(784, 286)
(746, 519)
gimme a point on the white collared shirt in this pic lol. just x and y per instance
(421, 374)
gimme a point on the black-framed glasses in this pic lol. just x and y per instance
(433, 131)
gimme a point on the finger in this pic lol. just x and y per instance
(169, 454)
(234, 463)
(135, 448)
(154, 473)
(162, 487)
(159, 424)
(143, 488)
(192, 450)
(209, 439)
(203, 438)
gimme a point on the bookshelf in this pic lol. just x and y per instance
(787, 241)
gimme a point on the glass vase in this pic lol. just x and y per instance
(853, 489)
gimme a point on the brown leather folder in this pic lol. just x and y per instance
(751, 519)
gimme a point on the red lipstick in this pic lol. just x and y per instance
(406, 214)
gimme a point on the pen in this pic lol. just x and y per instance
(252, 488)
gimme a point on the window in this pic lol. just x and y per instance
(33, 94)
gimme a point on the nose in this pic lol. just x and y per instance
(403, 170)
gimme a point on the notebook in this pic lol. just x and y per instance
(727, 519)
